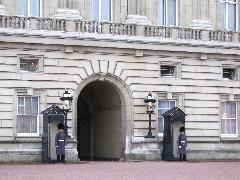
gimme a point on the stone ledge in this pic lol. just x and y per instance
(213, 154)
(114, 38)
(21, 156)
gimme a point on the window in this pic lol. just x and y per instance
(101, 10)
(30, 65)
(229, 118)
(163, 106)
(228, 14)
(167, 12)
(167, 71)
(30, 7)
(27, 116)
(229, 73)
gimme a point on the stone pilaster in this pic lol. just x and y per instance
(3, 10)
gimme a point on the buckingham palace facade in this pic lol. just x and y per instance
(109, 54)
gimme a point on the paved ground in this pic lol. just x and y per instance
(123, 171)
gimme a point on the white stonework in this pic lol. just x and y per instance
(69, 14)
(3, 10)
(109, 68)
(201, 24)
(137, 19)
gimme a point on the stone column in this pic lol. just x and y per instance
(3, 10)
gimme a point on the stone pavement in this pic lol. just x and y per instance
(108, 170)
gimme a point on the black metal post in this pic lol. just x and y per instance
(149, 126)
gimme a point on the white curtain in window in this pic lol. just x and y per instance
(106, 10)
(34, 8)
(27, 115)
(167, 12)
(231, 109)
(22, 5)
(171, 12)
(223, 15)
(29, 7)
(229, 118)
(232, 17)
(161, 12)
(101, 10)
(228, 14)
(95, 10)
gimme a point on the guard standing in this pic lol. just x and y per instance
(60, 143)
(182, 144)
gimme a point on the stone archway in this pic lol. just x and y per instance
(103, 118)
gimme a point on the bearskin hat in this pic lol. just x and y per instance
(182, 129)
(60, 126)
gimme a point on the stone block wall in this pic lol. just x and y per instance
(198, 87)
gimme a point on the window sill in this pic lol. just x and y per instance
(168, 77)
(28, 72)
(230, 139)
(229, 136)
(28, 138)
(28, 135)
(226, 79)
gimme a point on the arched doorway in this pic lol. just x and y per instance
(99, 121)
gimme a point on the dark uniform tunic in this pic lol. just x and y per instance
(60, 143)
(182, 144)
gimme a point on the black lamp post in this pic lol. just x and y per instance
(150, 105)
(66, 107)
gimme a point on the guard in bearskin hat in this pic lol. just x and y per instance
(60, 142)
(182, 145)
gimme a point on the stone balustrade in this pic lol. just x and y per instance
(158, 31)
(225, 36)
(52, 24)
(123, 29)
(89, 27)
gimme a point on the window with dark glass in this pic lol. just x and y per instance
(29, 65)
(229, 73)
(167, 71)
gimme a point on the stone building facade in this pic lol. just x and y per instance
(187, 53)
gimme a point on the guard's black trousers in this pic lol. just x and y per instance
(62, 158)
(182, 157)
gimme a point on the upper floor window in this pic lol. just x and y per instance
(163, 106)
(30, 63)
(167, 12)
(27, 116)
(30, 7)
(229, 73)
(168, 71)
(229, 118)
(101, 10)
(228, 14)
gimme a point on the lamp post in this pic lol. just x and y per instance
(66, 107)
(150, 105)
